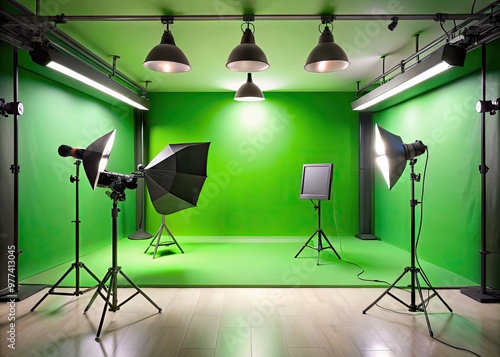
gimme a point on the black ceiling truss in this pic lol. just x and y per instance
(470, 34)
(26, 29)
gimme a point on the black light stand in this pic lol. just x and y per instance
(157, 237)
(77, 265)
(412, 269)
(111, 299)
(320, 234)
(482, 293)
(13, 291)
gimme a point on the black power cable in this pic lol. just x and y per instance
(426, 279)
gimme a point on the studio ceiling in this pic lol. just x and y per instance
(286, 43)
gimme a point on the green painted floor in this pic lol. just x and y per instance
(252, 264)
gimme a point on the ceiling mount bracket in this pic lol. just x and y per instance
(248, 18)
(383, 69)
(167, 20)
(441, 17)
(60, 19)
(417, 35)
(357, 88)
(113, 72)
(327, 19)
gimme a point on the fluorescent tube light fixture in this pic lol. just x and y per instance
(86, 74)
(444, 58)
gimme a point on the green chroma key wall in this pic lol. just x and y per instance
(254, 167)
(56, 114)
(446, 121)
(255, 161)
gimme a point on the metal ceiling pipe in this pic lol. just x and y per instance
(293, 17)
(427, 47)
(65, 41)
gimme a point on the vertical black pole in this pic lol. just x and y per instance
(413, 203)
(483, 170)
(15, 171)
(139, 154)
(114, 278)
(482, 293)
(16, 293)
(365, 168)
(77, 227)
(319, 214)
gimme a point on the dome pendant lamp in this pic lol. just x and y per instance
(247, 56)
(167, 57)
(327, 56)
(249, 92)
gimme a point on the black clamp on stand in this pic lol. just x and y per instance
(321, 235)
(157, 238)
(111, 299)
(77, 265)
(412, 269)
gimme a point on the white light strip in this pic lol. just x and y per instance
(431, 72)
(69, 72)
(381, 159)
(249, 99)
(105, 153)
(383, 164)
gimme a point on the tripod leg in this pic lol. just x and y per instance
(108, 295)
(407, 269)
(157, 235)
(90, 273)
(98, 291)
(330, 244)
(156, 246)
(173, 238)
(51, 290)
(435, 293)
(320, 246)
(39, 302)
(139, 290)
(440, 298)
(423, 306)
(305, 245)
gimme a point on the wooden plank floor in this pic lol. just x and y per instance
(256, 322)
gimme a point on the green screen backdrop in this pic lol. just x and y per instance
(57, 114)
(446, 121)
(255, 161)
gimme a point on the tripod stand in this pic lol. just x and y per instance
(77, 265)
(320, 234)
(414, 271)
(157, 237)
(112, 274)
